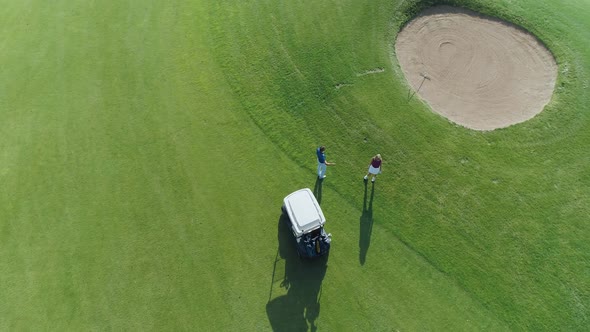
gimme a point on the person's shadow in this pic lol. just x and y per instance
(300, 307)
(366, 224)
(317, 190)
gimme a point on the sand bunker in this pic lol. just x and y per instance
(477, 71)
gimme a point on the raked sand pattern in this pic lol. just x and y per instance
(479, 72)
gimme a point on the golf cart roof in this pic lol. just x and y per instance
(304, 211)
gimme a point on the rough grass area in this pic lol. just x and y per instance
(146, 147)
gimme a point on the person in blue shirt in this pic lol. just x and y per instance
(322, 163)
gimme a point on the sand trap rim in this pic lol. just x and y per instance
(486, 73)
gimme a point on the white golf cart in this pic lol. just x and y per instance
(307, 223)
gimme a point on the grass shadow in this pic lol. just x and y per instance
(366, 224)
(299, 309)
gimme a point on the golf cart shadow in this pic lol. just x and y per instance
(302, 279)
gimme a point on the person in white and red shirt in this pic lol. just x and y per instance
(374, 168)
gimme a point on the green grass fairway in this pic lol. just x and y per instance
(146, 147)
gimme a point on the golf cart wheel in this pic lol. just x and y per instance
(284, 209)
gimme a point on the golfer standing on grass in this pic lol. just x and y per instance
(322, 163)
(374, 168)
